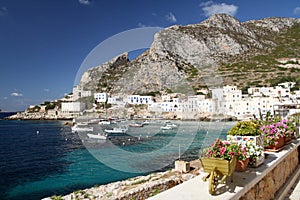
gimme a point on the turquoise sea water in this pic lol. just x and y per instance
(43, 158)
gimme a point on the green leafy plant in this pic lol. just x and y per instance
(54, 197)
(245, 128)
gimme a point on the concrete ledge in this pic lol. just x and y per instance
(252, 184)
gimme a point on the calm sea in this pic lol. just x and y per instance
(43, 158)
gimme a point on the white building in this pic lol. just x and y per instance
(72, 108)
(191, 105)
(255, 105)
(286, 109)
(169, 106)
(277, 91)
(168, 103)
(101, 97)
(78, 93)
(207, 106)
(227, 98)
(287, 84)
(137, 99)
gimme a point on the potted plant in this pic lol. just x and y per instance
(219, 161)
(242, 156)
(290, 130)
(256, 154)
(274, 133)
(227, 150)
(220, 149)
(246, 131)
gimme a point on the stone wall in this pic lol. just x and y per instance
(275, 179)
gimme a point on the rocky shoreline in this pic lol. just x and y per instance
(138, 188)
(45, 116)
(36, 116)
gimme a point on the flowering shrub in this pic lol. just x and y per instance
(253, 151)
(242, 153)
(226, 150)
(273, 131)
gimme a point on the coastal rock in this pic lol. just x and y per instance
(138, 188)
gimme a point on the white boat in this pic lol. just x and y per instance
(136, 125)
(117, 130)
(166, 128)
(97, 136)
(104, 122)
(146, 122)
(172, 125)
(82, 123)
(77, 128)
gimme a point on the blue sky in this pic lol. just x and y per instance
(44, 42)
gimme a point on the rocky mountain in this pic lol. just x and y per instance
(220, 50)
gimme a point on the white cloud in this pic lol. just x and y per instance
(5, 98)
(85, 2)
(170, 17)
(210, 8)
(297, 11)
(46, 90)
(16, 94)
(3, 11)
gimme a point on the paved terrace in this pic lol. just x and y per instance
(196, 188)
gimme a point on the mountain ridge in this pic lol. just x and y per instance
(187, 58)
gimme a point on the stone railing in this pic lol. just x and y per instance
(264, 182)
(275, 175)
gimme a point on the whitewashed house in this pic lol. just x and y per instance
(255, 105)
(277, 91)
(72, 108)
(101, 97)
(227, 98)
(78, 93)
(137, 99)
(207, 106)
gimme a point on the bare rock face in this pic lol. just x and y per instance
(89, 79)
(181, 56)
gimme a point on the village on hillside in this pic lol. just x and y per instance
(226, 101)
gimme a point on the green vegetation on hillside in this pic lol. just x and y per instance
(262, 69)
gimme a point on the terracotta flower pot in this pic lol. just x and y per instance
(287, 140)
(241, 165)
(280, 143)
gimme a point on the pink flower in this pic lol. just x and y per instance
(223, 149)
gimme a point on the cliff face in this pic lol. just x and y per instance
(186, 58)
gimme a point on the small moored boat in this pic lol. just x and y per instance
(116, 130)
(77, 128)
(97, 136)
(168, 127)
(136, 125)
